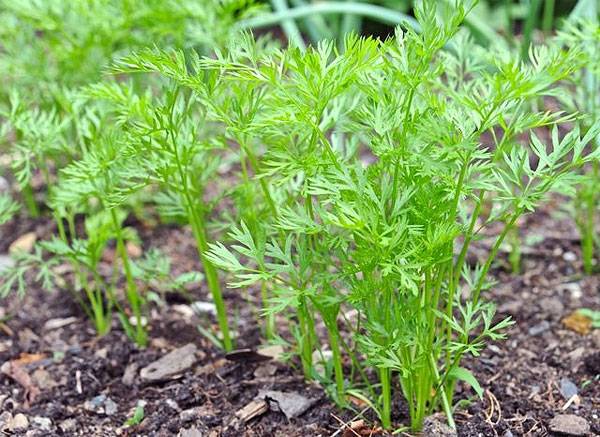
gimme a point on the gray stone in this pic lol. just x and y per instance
(6, 262)
(19, 422)
(568, 389)
(551, 305)
(204, 307)
(170, 365)
(191, 414)
(5, 418)
(190, 432)
(110, 407)
(539, 328)
(101, 404)
(4, 185)
(68, 425)
(291, 404)
(569, 424)
(42, 423)
(130, 374)
(437, 426)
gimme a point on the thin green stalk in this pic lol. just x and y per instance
(379, 13)
(133, 296)
(254, 163)
(548, 20)
(212, 278)
(588, 226)
(529, 28)
(386, 394)
(350, 23)
(514, 257)
(289, 26)
(445, 401)
(492, 255)
(269, 327)
(315, 25)
(270, 318)
(199, 230)
(337, 364)
(509, 21)
(306, 346)
(30, 202)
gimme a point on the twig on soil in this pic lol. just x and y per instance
(572, 399)
(494, 406)
(78, 382)
(347, 424)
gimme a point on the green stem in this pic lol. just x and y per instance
(514, 257)
(492, 256)
(445, 400)
(306, 346)
(289, 26)
(548, 20)
(270, 318)
(386, 394)
(337, 363)
(196, 220)
(530, 24)
(212, 278)
(350, 23)
(30, 202)
(133, 296)
(315, 25)
(379, 13)
(588, 226)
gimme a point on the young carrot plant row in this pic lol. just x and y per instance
(361, 177)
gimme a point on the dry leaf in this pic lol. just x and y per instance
(26, 358)
(16, 372)
(578, 322)
(24, 243)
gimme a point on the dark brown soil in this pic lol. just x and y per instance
(70, 366)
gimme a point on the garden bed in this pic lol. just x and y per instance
(66, 381)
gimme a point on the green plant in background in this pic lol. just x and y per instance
(491, 20)
(8, 208)
(377, 231)
(68, 42)
(582, 95)
(65, 44)
(58, 138)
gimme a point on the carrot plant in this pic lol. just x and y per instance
(582, 96)
(64, 138)
(384, 174)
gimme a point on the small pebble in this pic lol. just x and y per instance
(539, 328)
(569, 424)
(6, 262)
(567, 388)
(68, 425)
(4, 185)
(101, 404)
(551, 305)
(437, 425)
(42, 423)
(5, 418)
(190, 432)
(18, 423)
(204, 307)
